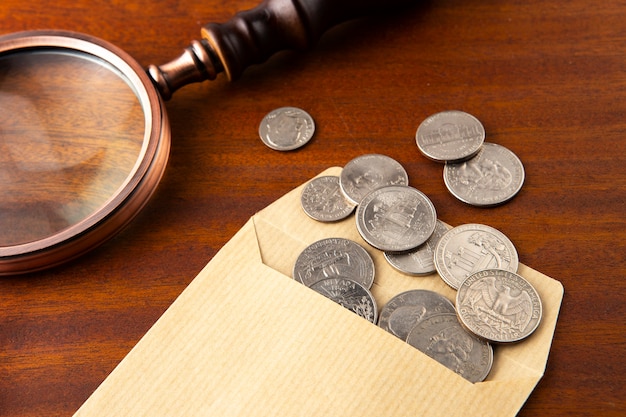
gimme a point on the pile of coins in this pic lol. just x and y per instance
(476, 172)
(493, 303)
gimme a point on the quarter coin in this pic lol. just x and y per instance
(444, 339)
(421, 260)
(450, 136)
(322, 200)
(499, 306)
(494, 176)
(408, 308)
(367, 173)
(469, 248)
(286, 128)
(334, 257)
(396, 218)
(349, 294)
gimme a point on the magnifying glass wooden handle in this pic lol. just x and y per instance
(252, 36)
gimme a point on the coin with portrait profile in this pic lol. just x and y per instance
(286, 128)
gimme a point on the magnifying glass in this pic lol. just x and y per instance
(84, 136)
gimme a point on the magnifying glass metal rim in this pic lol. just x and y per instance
(139, 185)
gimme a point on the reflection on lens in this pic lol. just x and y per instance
(71, 134)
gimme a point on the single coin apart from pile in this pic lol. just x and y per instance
(408, 308)
(499, 306)
(396, 218)
(492, 177)
(349, 294)
(334, 257)
(286, 128)
(469, 248)
(450, 136)
(421, 260)
(444, 339)
(322, 200)
(367, 173)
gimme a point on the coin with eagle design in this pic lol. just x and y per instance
(499, 306)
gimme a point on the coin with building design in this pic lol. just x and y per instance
(396, 218)
(469, 248)
(450, 136)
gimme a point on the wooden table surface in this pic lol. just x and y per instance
(547, 80)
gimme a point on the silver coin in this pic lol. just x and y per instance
(450, 136)
(396, 218)
(367, 173)
(494, 176)
(421, 260)
(408, 308)
(499, 306)
(444, 339)
(322, 200)
(334, 257)
(469, 248)
(350, 294)
(286, 128)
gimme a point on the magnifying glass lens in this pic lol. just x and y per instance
(72, 131)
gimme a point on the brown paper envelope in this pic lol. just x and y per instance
(245, 339)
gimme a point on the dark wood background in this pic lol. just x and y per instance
(547, 79)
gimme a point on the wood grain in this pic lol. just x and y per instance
(548, 81)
